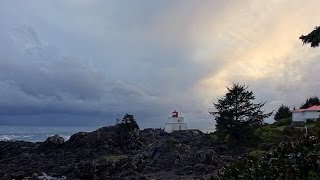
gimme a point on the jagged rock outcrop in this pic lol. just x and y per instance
(150, 154)
(55, 140)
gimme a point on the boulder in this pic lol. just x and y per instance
(55, 140)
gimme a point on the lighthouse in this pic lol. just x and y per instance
(175, 123)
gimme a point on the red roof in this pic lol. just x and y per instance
(298, 110)
(312, 108)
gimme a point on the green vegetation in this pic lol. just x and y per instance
(269, 133)
(281, 150)
(313, 38)
(237, 116)
(127, 124)
(285, 152)
(295, 159)
(310, 102)
(127, 131)
(282, 113)
(283, 122)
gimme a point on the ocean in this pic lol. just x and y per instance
(40, 133)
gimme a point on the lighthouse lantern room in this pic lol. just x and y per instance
(175, 123)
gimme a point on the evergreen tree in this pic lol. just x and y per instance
(127, 131)
(313, 37)
(237, 115)
(282, 113)
(311, 101)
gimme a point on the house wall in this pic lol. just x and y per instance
(311, 115)
(303, 116)
(297, 116)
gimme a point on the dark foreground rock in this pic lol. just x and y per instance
(151, 154)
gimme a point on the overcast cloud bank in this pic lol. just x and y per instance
(90, 62)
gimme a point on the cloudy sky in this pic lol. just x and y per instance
(85, 62)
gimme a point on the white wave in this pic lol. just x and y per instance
(39, 133)
(8, 137)
(66, 138)
(11, 137)
(27, 136)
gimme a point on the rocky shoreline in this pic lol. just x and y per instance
(102, 154)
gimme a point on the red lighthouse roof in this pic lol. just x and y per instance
(175, 114)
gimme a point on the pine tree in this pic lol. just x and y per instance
(310, 102)
(313, 37)
(282, 113)
(127, 131)
(237, 115)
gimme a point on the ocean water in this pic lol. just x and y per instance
(40, 133)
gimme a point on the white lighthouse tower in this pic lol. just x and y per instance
(175, 123)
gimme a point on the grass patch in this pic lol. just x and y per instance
(270, 133)
(280, 128)
(311, 125)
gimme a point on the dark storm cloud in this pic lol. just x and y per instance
(43, 84)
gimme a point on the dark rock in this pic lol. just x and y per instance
(55, 140)
(151, 153)
(18, 175)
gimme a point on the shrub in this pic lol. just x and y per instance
(295, 159)
(269, 133)
(298, 123)
(315, 130)
(257, 153)
(290, 130)
(317, 123)
(310, 121)
(284, 122)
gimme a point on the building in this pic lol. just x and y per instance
(175, 123)
(302, 115)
